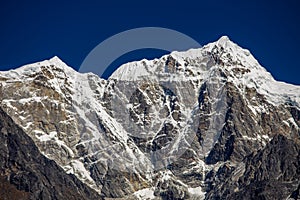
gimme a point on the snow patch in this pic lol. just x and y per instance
(197, 191)
(145, 194)
(46, 137)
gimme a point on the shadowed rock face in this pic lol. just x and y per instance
(271, 173)
(26, 174)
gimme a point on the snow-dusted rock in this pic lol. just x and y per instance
(190, 114)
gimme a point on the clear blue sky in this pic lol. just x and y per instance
(31, 31)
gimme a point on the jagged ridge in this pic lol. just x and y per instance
(204, 110)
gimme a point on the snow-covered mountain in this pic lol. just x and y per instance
(185, 126)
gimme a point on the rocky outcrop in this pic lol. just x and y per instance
(26, 174)
(271, 173)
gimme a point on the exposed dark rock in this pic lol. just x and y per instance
(171, 189)
(271, 173)
(26, 174)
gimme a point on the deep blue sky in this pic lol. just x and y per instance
(31, 31)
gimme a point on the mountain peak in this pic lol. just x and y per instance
(52, 64)
(57, 61)
(225, 43)
(237, 63)
(186, 125)
(222, 41)
(186, 64)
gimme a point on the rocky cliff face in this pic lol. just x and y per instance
(270, 173)
(26, 174)
(209, 123)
